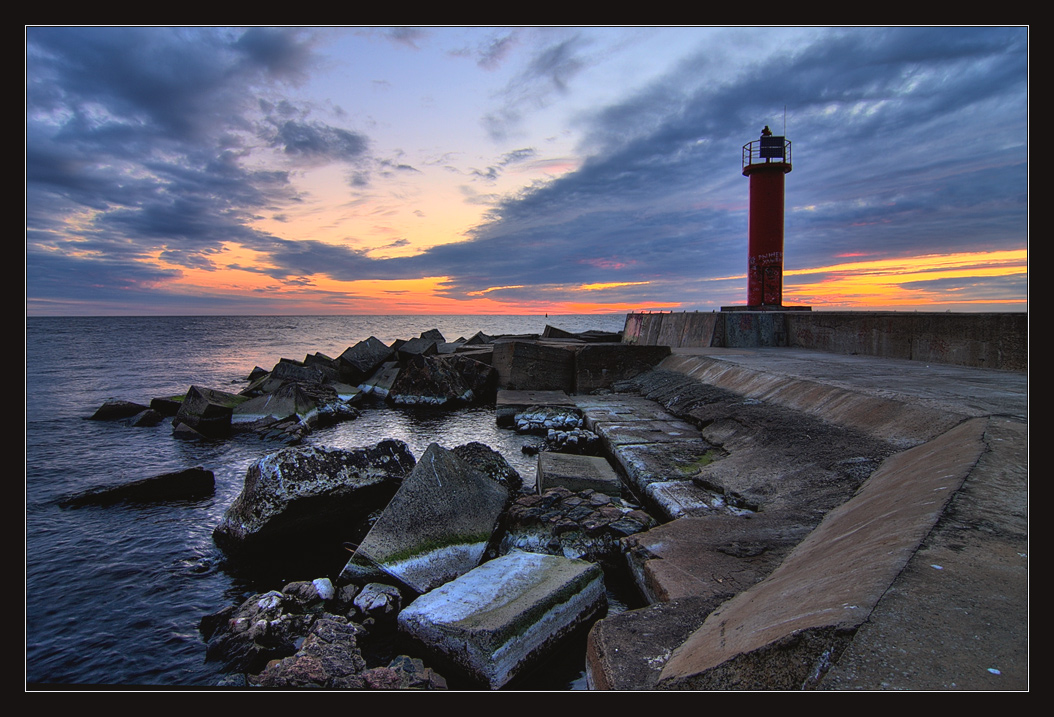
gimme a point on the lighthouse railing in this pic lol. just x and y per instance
(766, 150)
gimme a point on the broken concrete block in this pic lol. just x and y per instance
(600, 365)
(438, 524)
(289, 400)
(534, 367)
(208, 411)
(577, 473)
(305, 497)
(506, 615)
(380, 383)
(359, 361)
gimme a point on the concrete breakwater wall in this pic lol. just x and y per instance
(990, 340)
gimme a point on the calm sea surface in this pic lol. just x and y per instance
(114, 595)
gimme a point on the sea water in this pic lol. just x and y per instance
(114, 594)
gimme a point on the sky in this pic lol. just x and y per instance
(517, 170)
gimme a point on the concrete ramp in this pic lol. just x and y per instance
(786, 631)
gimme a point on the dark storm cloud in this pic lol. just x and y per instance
(141, 136)
(315, 140)
(905, 141)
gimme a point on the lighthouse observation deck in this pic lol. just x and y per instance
(767, 153)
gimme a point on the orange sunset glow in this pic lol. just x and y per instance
(492, 170)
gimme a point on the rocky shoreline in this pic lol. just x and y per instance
(425, 534)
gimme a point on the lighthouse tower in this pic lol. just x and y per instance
(766, 161)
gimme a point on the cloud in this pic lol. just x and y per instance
(142, 144)
(316, 141)
(548, 72)
(905, 141)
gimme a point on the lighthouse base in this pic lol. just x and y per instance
(766, 307)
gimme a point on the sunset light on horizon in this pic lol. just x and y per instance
(516, 170)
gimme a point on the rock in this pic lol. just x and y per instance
(310, 592)
(506, 615)
(441, 381)
(433, 335)
(265, 627)
(438, 524)
(379, 601)
(363, 359)
(189, 484)
(329, 657)
(586, 525)
(299, 496)
(114, 410)
(208, 411)
(491, 463)
(576, 441)
(147, 419)
(542, 419)
(404, 673)
(289, 399)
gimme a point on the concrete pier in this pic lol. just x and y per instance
(997, 341)
(916, 578)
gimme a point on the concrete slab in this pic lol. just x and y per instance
(647, 463)
(971, 573)
(619, 408)
(523, 399)
(577, 473)
(801, 616)
(601, 365)
(629, 433)
(680, 499)
(905, 402)
(380, 383)
(438, 524)
(497, 620)
(715, 556)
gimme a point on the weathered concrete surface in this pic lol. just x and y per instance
(796, 456)
(577, 473)
(782, 633)
(659, 455)
(380, 382)
(627, 651)
(954, 618)
(438, 524)
(363, 359)
(497, 620)
(998, 341)
(207, 411)
(600, 365)
(905, 402)
(289, 399)
(532, 366)
(713, 557)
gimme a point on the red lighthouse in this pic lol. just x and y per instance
(766, 161)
